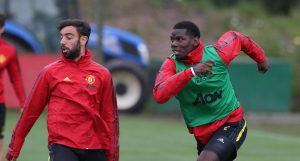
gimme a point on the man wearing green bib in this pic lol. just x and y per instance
(198, 77)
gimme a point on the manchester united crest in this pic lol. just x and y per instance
(90, 79)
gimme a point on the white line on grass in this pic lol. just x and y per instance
(281, 137)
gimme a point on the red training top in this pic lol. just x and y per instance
(9, 61)
(82, 107)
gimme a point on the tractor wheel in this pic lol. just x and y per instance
(131, 85)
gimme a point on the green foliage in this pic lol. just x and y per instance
(279, 7)
(225, 3)
(184, 4)
(276, 34)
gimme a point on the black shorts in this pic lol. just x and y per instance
(2, 118)
(226, 140)
(60, 152)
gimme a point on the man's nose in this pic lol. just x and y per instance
(174, 44)
(62, 41)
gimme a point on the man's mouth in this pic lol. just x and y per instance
(64, 49)
(176, 52)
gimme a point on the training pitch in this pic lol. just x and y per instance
(152, 138)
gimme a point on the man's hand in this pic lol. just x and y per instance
(204, 68)
(264, 66)
(9, 157)
(13, 159)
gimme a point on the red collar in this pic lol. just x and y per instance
(194, 57)
(85, 59)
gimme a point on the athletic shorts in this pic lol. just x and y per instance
(226, 141)
(2, 119)
(60, 152)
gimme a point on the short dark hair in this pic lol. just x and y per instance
(2, 20)
(192, 28)
(82, 27)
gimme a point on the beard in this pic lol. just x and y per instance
(72, 53)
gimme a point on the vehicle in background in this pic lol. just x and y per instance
(31, 27)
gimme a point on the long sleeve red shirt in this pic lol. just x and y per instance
(168, 83)
(9, 61)
(82, 107)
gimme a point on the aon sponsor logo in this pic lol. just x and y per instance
(208, 98)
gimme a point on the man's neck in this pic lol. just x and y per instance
(82, 53)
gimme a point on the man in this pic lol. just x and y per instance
(82, 109)
(199, 79)
(9, 61)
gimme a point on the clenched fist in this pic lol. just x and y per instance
(204, 67)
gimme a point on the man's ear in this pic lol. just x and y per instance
(83, 40)
(195, 41)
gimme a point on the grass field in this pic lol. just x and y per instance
(150, 138)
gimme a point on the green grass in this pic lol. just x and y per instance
(151, 138)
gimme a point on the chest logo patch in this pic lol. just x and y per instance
(203, 99)
(90, 79)
(201, 78)
(2, 59)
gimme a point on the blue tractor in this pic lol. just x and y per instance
(31, 27)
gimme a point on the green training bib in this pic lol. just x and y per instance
(206, 98)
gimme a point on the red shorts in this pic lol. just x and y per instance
(204, 132)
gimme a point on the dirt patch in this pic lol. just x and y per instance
(152, 23)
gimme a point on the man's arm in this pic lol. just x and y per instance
(168, 83)
(231, 43)
(14, 72)
(264, 66)
(109, 112)
(33, 107)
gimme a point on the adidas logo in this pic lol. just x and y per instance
(67, 79)
(221, 140)
(226, 127)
